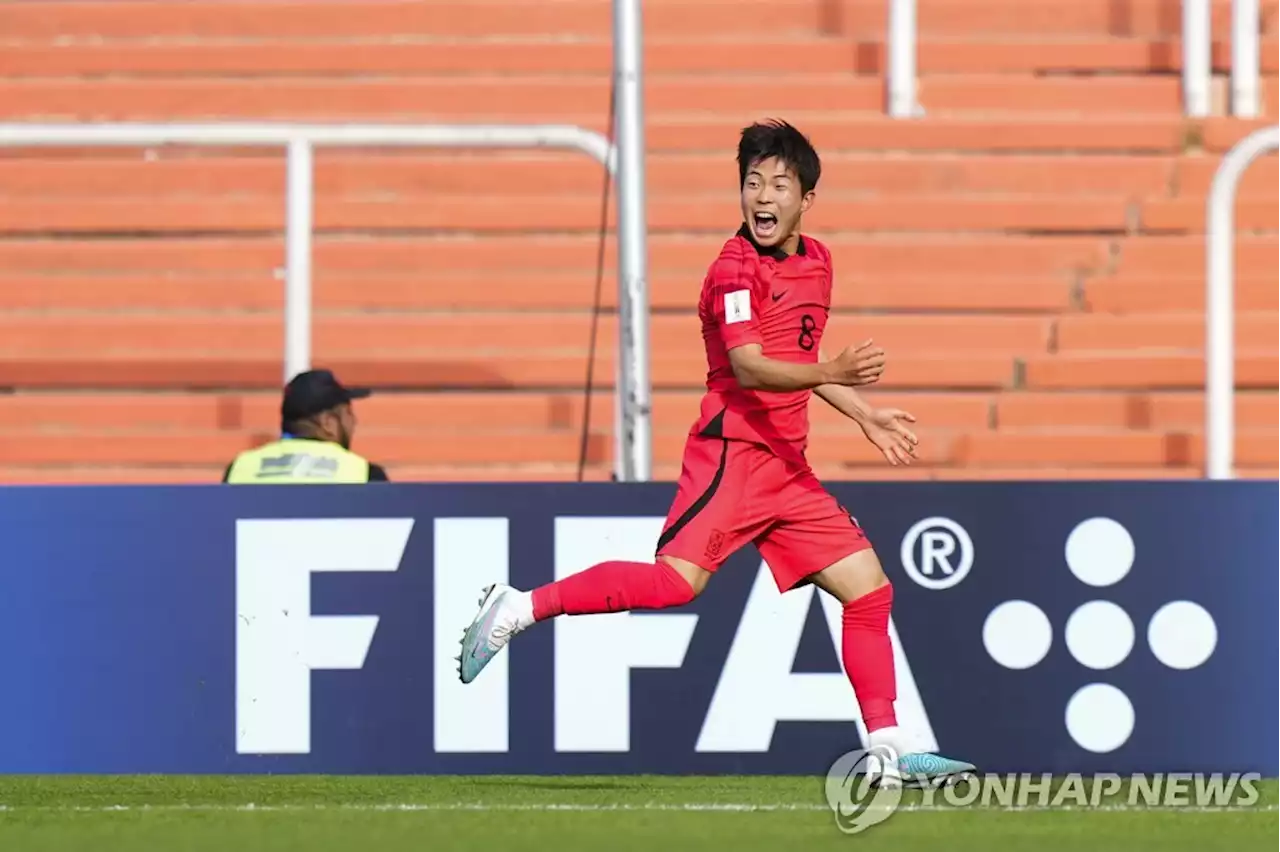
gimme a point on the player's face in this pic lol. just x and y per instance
(772, 204)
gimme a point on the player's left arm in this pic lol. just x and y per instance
(884, 427)
(844, 399)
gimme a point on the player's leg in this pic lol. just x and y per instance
(703, 528)
(818, 542)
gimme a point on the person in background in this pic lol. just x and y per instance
(316, 424)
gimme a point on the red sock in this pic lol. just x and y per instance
(868, 657)
(613, 587)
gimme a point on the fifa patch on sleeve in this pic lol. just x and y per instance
(737, 306)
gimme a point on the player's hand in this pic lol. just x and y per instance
(887, 429)
(858, 365)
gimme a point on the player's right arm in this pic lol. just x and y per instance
(855, 366)
(733, 293)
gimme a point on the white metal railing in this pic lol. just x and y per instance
(900, 67)
(631, 459)
(632, 432)
(1220, 301)
(1245, 59)
(1197, 58)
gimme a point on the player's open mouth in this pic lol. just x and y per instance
(764, 224)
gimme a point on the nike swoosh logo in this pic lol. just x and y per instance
(777, 296)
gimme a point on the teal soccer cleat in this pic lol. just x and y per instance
(499, 618)
(924, 769)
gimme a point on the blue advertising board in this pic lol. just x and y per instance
(1057, 627)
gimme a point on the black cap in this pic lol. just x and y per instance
(314, 392)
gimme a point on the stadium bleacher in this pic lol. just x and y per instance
(1030, 253)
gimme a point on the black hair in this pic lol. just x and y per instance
(774, 138)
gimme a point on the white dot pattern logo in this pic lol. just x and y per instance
(1017, 634)
(1100, 552)
(1182, 635)
(1100, 635)
(1100, 718)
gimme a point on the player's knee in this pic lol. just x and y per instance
(853, 576)
(696, 576)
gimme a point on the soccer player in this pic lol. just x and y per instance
(764, 306)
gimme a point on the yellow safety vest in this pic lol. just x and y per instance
(298, 461)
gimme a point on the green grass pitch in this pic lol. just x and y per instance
(570, 813)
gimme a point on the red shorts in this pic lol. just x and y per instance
(732, 492)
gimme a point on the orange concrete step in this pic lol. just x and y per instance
(433, 413)
(1175, 255)
(1193, 177)
(79, 474)
(861, 256)
(497, 214)
(1188, 215)
(761, 53)
(1059, 448)
(1105, 411)
(396, 448)
(1063, 18)
(209, 474)
(1140, 371)
(572, 291)
(1221, 135)
(534, 100)
(757, 53)
(1123, 449)
(981, 54)
(986, 449)
(1253, 449)
(1255, 290)
(556, 100)
(1095, 332)
(1100, 95)
(512, 290)
(109, 475)
(462, 371)
(28, 19)
(1056, 473)
(340, 173)
(1033, 130)
(491, 334)
(1027, 133)
(220, 447)
(488, 413)
(350, 19)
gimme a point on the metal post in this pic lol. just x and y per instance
(1244, 59)
(633, 291)
(1220, 313)
(299, 203)
(1196, 59)
(902, 59)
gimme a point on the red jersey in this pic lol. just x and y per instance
(757, 295)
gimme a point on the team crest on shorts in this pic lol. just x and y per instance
(715, 541)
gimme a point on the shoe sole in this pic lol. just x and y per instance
(930, 781)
